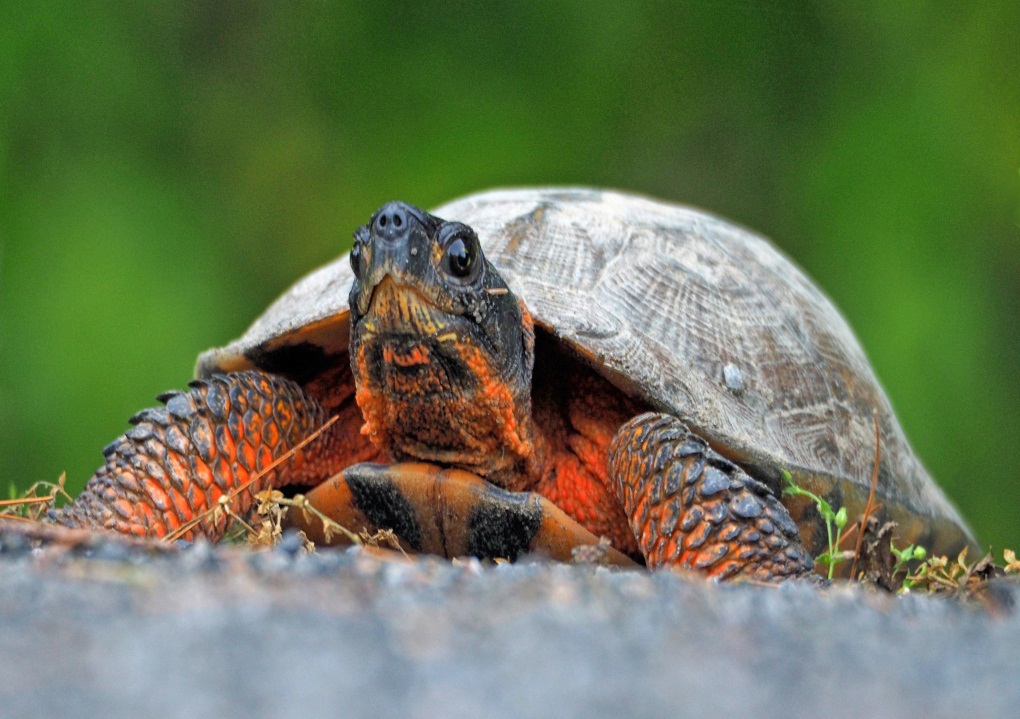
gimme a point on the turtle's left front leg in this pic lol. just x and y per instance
(690, 507)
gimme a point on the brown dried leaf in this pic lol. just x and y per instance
(270, 528)
(597, 554)
(876, 562)
(961, 560)
(382, 538)
(985, 569)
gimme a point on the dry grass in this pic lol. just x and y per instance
(876, 560)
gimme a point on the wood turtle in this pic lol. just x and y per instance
(539, 369)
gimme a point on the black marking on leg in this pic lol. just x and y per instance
(384, 504)
(503, 525)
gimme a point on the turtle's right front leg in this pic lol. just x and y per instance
(690, 507)
(208, 442)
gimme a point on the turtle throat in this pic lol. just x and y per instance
(432, 388)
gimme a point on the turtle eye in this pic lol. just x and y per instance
(460, 260)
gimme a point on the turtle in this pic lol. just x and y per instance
(538, 370)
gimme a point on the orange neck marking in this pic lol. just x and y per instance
(487, 430)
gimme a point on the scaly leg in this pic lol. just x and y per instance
(689, 507)
(178, 460)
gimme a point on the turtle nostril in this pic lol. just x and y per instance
(391, 221)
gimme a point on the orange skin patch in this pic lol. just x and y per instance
(578, 423)
(417, 356)
(496, 399)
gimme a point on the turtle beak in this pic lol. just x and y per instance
(397, 249)
(400, 309)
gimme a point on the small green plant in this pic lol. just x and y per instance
(914, 552)
(942, 575)
(833, 555)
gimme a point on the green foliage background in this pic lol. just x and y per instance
(167, 168)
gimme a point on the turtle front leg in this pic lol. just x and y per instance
(177, 461)
(448, 512)
(690, 507)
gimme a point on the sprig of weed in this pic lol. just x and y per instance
(219, 509)
(833, 555)
(913, 553)
(940, 575)
(32, 504)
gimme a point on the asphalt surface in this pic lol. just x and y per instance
(112, 631)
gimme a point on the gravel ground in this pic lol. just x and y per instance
(115, 631)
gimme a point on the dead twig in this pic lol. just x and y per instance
(869, 508)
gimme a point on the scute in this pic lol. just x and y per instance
(670, 303)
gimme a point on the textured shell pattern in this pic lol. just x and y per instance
(693, 314)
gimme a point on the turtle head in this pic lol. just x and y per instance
(441, 350)
(416, 274)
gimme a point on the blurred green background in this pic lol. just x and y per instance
(166, 169)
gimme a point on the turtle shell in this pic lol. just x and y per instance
(683, 310)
